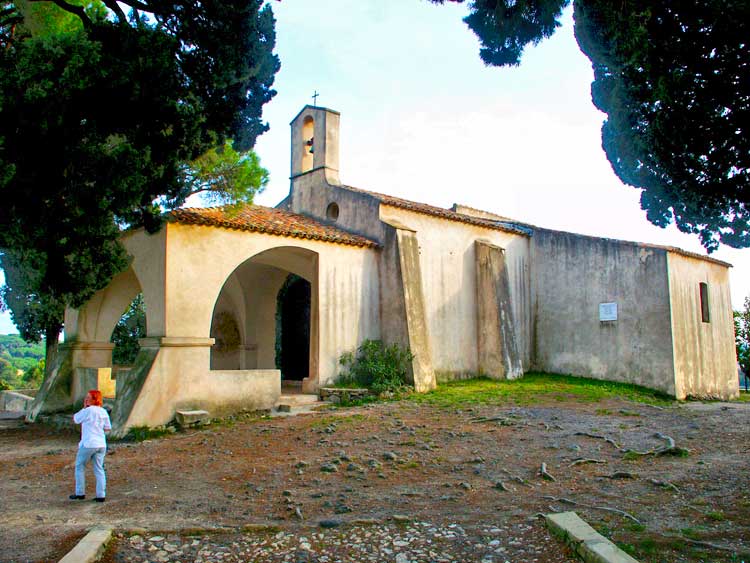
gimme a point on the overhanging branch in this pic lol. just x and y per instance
(75, 10)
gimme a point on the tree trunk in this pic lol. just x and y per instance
(51, 341)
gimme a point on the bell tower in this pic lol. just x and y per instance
(315, 143)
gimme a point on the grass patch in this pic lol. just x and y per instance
(141, 433)
(691, 533)
(337, 421)
(744, 397)
(533, 387)
(716, 516)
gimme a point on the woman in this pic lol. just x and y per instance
(94, 422)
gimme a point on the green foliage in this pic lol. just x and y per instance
(33, 377)
(377, 367)
(227, 176)
(17, 355)
(8, 375)
(142, 433)
(674, 82)
(130, 327)
(742, 336)
(533, 387)
(98, 120)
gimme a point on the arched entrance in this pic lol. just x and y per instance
(265, 316)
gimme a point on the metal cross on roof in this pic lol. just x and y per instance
(315, 98)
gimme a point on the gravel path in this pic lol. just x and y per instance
(396, 542)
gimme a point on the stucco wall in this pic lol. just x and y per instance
(573, 274)
(704, 353)
(448, 264)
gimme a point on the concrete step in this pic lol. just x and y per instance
(298, 399)
(296, 403)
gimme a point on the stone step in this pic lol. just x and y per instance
(298, 399)
(188, 418)
(296, 403)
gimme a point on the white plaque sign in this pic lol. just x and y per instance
(607, 311)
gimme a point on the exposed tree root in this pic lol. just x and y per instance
(516, 478)
(545, 474)
(622, 475)
(501, 420)
(622, 513)
(665, 485)
(701, 543)
(599, 437)
(668, 449)
(582, 460)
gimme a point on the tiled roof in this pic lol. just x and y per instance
(443, 213)
(258, 219)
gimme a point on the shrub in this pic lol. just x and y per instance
(377, 367)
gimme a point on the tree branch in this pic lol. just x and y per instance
(75, 10)
(115, 7)
(142, 6)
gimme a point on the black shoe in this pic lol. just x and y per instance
(77, 497)
(99, 499)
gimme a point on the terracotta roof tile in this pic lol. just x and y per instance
(443, 213)
(259, 219)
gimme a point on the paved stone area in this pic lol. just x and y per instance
(415, 542)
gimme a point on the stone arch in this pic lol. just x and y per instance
(248, 301)
(95, 321)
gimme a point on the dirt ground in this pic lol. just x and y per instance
(429, 463)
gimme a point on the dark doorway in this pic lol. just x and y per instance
(293, 329)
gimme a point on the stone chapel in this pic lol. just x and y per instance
(242, 304)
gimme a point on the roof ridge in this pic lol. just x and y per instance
(442, 212)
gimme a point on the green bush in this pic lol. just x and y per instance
(377, 367)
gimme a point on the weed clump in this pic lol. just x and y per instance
(375, 366)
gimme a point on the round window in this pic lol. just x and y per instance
(332, 212)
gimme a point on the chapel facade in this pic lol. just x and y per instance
(240, 302)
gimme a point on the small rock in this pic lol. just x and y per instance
(327, 524)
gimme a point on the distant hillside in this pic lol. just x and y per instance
(19, 362)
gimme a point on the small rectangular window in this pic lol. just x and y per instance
(705, 315)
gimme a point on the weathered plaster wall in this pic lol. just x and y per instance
(348, 306)
(312, 193)
(704, 353)
(448, 268)
(573, 274)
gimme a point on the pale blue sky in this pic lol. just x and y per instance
(422, 118)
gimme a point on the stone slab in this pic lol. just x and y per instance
(15, 401)
(90, 548)
(590, 545)
(186, 418)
